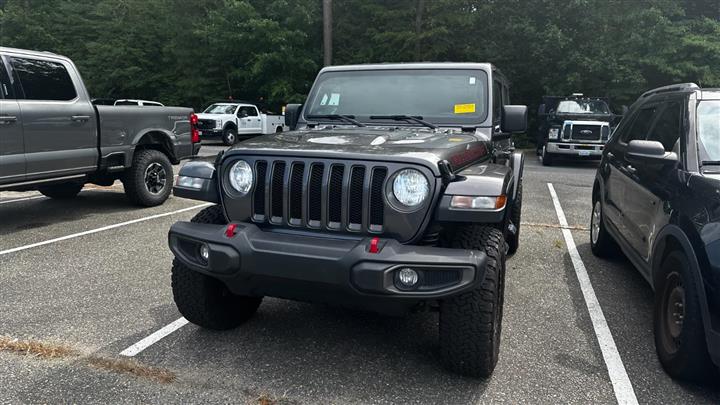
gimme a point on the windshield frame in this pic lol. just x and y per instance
(703, 154)
(483, 78)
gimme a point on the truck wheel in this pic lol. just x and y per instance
(601, 243)
(514, 239)
(206, 301)
(547, 158)
(61, 191)
(679, 332)
(229, 136)
(470, 323)
(148, 181)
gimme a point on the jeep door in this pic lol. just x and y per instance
(58, 121)
(249, 120)
(650, 188)
(12, 151)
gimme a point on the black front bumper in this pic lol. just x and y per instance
(319, 269)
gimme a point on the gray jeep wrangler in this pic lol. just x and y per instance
(397, 189)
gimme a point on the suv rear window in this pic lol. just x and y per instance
(43, 79)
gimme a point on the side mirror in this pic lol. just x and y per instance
(649, 152)
(514, 118)
(541, 109)
(292, 115)
(624, 109)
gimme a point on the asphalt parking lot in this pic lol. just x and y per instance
(91, 278)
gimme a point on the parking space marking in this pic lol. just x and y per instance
(154, 338)
(622, 386)
(35, 197)
(104, 228)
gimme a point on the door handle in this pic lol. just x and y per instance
(630, 169)
(80, 118)
(7, 119)
(610, 155)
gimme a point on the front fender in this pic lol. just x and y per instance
(484, 179)
(198, 181)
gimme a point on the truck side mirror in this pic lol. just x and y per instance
(541, 109)
(292, 115)
(624, 109)
(514, 118)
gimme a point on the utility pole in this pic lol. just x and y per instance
(327, 32)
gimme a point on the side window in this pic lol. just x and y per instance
(640, 126)
(247, 112)
(497, 101)
(668, 127)
(44, 80)
(5, 86)
(252, 112)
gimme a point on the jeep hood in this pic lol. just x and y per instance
(422, 146)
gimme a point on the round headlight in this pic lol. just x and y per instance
(411, 187)
(241, 176)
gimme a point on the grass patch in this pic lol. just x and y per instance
(131, 366)
(556, 226)
(35, 348)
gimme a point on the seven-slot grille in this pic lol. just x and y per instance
(320, 195)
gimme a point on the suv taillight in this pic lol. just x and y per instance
(194, 133)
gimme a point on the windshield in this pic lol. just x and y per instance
(221, 109)
(582, 107)
(708, 124)
(445, 96)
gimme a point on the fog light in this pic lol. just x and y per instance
(204, 252)
(407, 277)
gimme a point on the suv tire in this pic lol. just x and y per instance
(514, 239)
(63, 191)
(148, 182)
(204, 300)
(681, 348)
(229, 136)
(601, 243)
(470, 323)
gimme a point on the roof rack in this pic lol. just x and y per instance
(672, 87)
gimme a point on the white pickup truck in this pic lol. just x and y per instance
(230, 120)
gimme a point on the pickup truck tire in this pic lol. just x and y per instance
(678, 325)
(229, 136)
(148, 182)
(514, 239)
(547, 157)
(62, 191)
(470, 323)
(204, 300)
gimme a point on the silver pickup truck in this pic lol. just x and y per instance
(55, 140)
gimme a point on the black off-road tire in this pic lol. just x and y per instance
(229, 136)
(601, 242)
(513, 241)
(204, 300)
(683, 355)
(63, 191)
(134, 180)
(471, 323)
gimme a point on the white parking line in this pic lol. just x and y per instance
(622, 386)
(35, 197)
(104, 228)
(154, 338)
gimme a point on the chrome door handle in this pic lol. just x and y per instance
(7, 119)
(610, 155)
(80, 118)
(630, 169)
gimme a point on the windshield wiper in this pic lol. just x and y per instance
(400, 117)
(710, 163)
(337, 117)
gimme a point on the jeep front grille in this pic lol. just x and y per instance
(320, 195)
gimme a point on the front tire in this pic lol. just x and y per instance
(601, 243)
(148, 182)
(229, 136)
(678, 324)
(63, 191)
(204, 300)
(514, 239)
(471, 323)
(547, 157)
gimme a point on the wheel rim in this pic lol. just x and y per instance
(595, 223)
(673, 312)
(230, 137)
(155, 178)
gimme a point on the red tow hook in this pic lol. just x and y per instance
(230, 230)
(374, 248)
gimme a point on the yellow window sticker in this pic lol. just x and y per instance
(464, 108)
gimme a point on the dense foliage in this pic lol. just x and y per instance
(190, 52)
